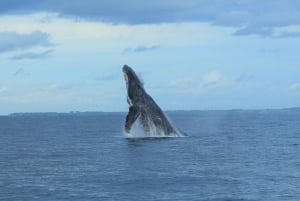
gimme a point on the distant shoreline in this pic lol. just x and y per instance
(93, 113)
(72, 113)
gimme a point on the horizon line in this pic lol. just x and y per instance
(177, 110)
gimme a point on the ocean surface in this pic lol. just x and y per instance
(235, 155)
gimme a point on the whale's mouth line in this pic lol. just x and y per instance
(125, 78)
(129, 101)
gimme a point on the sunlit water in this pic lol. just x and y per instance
(228, 155)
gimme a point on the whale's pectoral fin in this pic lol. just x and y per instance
(161, 121)
(132, 115)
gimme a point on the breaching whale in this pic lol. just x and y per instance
(144, 113)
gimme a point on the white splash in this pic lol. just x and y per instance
(138, 131)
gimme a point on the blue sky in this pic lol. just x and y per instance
(61, 56)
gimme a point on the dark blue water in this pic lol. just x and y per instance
(229, 155)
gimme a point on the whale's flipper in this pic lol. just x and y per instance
(132, 115)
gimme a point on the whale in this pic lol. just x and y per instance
(144, 112)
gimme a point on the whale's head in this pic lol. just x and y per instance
(135, 87)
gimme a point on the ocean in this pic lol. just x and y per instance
(234, 155)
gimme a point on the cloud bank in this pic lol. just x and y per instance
(248, 16)
(12, 41)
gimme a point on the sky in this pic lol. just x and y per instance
(61, 56)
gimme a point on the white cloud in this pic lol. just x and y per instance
(215, 78)
(3, 89)
(211, 80)
(295, 86)
(183, 84)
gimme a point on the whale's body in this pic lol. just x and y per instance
(144, 112)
